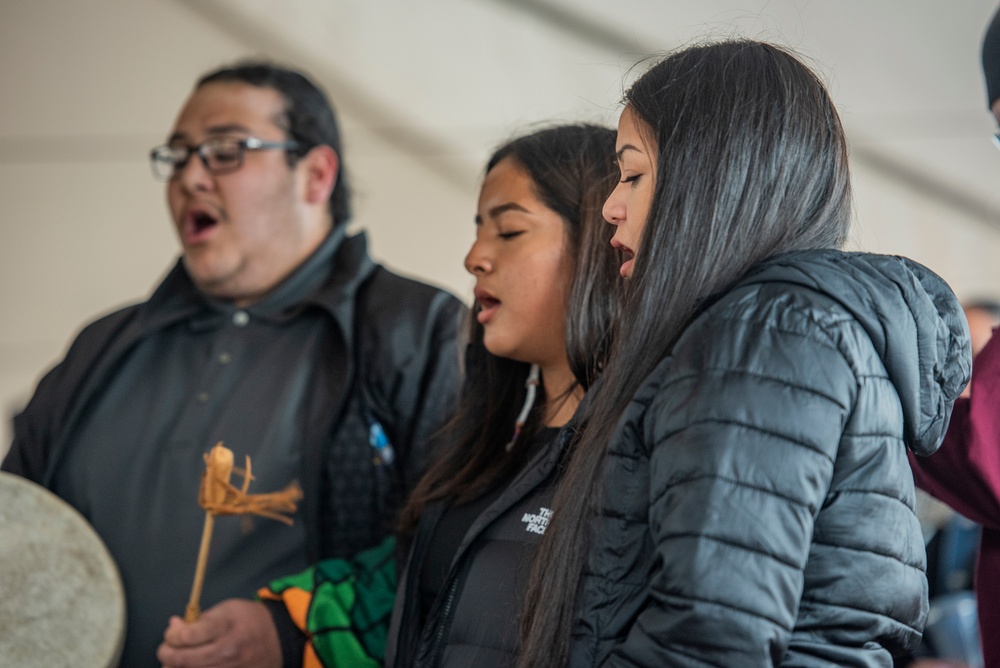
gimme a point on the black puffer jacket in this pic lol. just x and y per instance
(757, 503)
(475, 619)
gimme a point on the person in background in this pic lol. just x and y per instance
(952, 633)
(274, 333)
(983, 316)
(739, 494)
(965, 473)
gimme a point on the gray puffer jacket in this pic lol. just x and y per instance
(757, 503)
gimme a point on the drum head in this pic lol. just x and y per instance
(63, 602)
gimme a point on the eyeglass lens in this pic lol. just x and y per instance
(217, 155)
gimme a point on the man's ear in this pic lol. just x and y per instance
(320, 167)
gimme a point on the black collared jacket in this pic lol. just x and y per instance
(394, 360)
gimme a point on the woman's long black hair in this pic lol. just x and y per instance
(751, 163)
(573, 171)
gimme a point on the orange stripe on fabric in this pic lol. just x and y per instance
(297, 602)
(266, 593)
(310, 660)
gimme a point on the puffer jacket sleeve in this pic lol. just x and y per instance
(742, 438)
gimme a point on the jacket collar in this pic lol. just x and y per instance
(177, 298)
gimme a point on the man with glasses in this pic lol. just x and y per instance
(965, 471)
(276, 334)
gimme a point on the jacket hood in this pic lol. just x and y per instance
(913, 318)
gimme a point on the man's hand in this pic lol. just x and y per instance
(236, 633)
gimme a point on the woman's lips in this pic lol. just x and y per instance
(486, 313)
(488, 305)
(626, 269)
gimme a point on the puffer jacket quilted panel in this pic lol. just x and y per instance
(758, 504)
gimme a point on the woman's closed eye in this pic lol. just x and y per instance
(511, 234)
(631, 178)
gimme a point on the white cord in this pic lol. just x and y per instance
(529, 401)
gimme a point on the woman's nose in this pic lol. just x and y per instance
(614, 210)
(477, 261)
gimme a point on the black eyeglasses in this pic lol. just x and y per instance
(220, 155)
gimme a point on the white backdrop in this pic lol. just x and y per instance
(424, 91)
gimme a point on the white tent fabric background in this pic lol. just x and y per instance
(425, 90)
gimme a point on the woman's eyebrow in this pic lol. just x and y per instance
(501, 209)
(626, 147)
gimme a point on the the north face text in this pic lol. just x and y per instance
(537, 523)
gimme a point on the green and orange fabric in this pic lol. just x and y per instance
(343, 606)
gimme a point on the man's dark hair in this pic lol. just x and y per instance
(309, 117)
